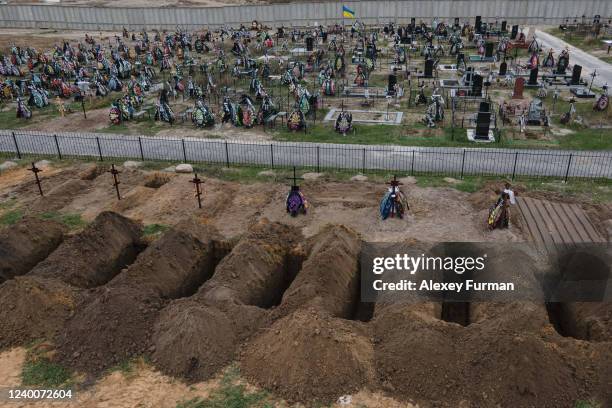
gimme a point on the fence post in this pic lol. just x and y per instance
(363, 161)
(16, 146)
(141, 150)
(569, 163)
(59, 153)
(318, 159)
(514, 168)
(412, 165)
(227, 162)
(184, 151)
(462, 163)
(99, 148)
(272, 155)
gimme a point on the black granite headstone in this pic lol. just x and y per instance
(503, 68)
(489, 50)
(476, 85)
(428, 73)
(391, 81)
(576, 73)
(514, 32)
(309, 43)
(483, 121)
(504, 26)
(478, 24)
(533, 76)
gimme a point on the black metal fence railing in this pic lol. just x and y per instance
(454, 162)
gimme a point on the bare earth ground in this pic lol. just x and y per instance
(145, 3)
(437, 214)
(145, 388)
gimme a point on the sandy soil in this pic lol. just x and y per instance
(146, 388)
(437, 214)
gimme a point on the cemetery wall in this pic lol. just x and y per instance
(297, 14)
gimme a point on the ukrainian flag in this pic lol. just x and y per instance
(347, 12)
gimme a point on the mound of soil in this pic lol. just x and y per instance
(443, 364)
(117, 321)
(95, 255)
(308, 356)
(590, 321)
(196, 337)
(174, 265)
(329, 278)
(27, 243)
(91, 172)
(195, 341)
(34, 308)
(111, 327)
(257, 271)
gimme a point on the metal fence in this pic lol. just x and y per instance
(295, 14)
(454, 162)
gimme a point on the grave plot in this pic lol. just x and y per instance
(363, 116)
(36, 305)
(27, 243)
(125, 308)
(229, 306)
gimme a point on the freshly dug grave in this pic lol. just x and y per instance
(329, 278)
(84, 260)
(94, 256)
(591, 321)
(26, 243)
(196, 337)
(442, 364)
(310, 356)
(115, 323)
(257, 272)
(34, 308)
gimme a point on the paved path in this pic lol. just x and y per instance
(577, 56)
(416, 160)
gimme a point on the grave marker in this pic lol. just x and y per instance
(519, 85)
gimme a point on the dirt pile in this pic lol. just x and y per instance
(196, 337)
(115, 323)
(92, 257)
(27, 243)
(329, 278)
(34, 308)
(309, 356)
(37, 305)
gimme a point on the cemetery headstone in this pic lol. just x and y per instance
(483, 121)
(514, 32)
(503, 68)
(533, 77)
(576, 73)
(428, 73)
(489, 50)
(478, 24)
(477, 85)
(519, 85)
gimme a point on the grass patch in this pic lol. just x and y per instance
(11, 217)
(587, 404)
(39, 370)
(72, 221)
(230, 394)
(154, 229)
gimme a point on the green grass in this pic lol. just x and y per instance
(587, 404)
(154, 229)
(230, 394)
(11, 217)
(38, 370)
(72, 221)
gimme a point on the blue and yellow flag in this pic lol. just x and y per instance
(347, 12)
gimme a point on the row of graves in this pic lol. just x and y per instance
(244, 77)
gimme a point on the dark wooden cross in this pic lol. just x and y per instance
(197, 181)
(36, 170)
(116, 181)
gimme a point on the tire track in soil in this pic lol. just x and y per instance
(36, 305)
